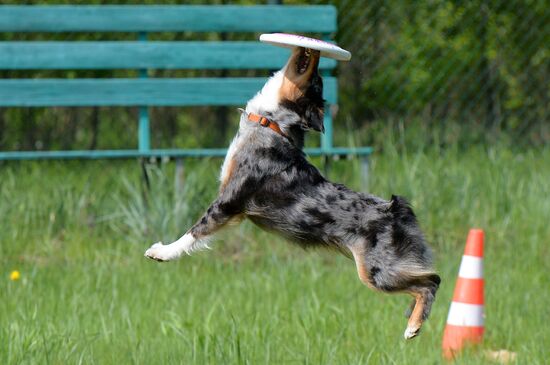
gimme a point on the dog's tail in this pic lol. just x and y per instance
(408, 240)
(401, 210)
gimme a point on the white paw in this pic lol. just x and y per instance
(410, 332)
(160, 252)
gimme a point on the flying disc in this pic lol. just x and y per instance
(294, 40)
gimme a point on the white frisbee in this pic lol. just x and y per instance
(294, 40)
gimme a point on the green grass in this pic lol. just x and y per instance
(77, 232)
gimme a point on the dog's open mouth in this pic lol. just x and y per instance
(303, 61)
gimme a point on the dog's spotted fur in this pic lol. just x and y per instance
(266, 178)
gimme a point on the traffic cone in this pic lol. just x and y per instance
(465, 320)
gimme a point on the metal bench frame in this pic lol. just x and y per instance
(143, 55)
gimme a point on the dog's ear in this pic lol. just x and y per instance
(311, 113)
(313, 104)
(314, 117)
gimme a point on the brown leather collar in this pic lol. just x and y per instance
(264, 122)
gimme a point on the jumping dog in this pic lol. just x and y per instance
(266, 178)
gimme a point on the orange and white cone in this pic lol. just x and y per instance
(465, 320)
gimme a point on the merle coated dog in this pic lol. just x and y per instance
(266, 178)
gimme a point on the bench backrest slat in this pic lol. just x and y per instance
(136, 55)
(145, 92)
(146, 18)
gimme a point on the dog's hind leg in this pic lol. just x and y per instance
(422, 286)
(423, 290)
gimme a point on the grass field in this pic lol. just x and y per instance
(77, 231)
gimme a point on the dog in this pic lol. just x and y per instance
(266, 178)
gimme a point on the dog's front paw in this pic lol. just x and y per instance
(159, 252)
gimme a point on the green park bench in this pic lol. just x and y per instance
(141, 54)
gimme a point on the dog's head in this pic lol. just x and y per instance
(294, 95)
(302, 88)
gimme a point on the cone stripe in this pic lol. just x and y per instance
(469, 291)
(471, 267)
(462, 314)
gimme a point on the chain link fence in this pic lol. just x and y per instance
(483, 65)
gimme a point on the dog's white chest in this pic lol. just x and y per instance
(229, 158)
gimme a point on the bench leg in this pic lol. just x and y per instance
(179, 176)
(143, 163)
(326, 165)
